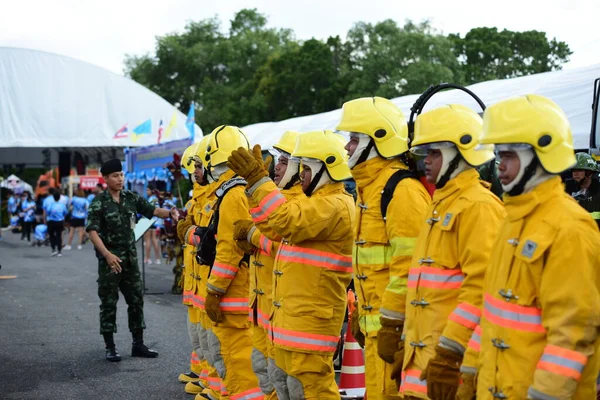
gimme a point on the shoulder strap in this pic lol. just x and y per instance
(390, 187)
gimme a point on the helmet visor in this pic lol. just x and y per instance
(507, 147)
(424, 149)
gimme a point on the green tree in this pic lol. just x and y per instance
(486, 53)
(303, 80)
(390, 61)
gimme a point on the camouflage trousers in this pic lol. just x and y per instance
(130, 283)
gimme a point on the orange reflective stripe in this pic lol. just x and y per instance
(234, 303)
(513, 316)
(223, 270)
(204, 375)
(198, 301)
(214, 383)
(195, 360)
(475, 341)
(435, 278)
(411, 381)
(265, 245)
(251, 394)
(267, 205)
(466, 315)
(192, 239)
(315, 258)
(263, 319)
(224, 391)
(561, 361)
(304, 340)
(188, 297)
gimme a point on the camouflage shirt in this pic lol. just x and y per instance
(114, 221)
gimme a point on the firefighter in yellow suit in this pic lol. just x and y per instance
(383, 248)
(452, 253)
(226, 302)
(189, 252)
(258, 238)
(541, 312)
(313, 266)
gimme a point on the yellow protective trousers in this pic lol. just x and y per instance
(263, 354)
(299, 376)
(214, 384)
(230, 348)
(380, 385)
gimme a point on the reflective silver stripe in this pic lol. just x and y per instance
(254, 394)
(214, 288)
(284, 252)
(467, 315)
(266, 206)
(226, 304)
(537, 395)
(441, 278)
(328, 343)
(562, 361)
(223, 271)
(415, 380)
(476, 337)
(513, 316)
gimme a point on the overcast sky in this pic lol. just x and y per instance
(103, 31)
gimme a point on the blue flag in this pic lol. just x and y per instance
(191, 121)
(145, 128)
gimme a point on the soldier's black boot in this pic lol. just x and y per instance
(111, 351)
(139, 349)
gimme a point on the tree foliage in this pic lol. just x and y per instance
(251, 73)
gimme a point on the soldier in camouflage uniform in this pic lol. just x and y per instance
(584, 186)
(110, 226)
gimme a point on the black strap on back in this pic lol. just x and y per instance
(390, 187)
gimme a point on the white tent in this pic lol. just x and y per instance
(16, 184)
(48, 100)
(570, 89)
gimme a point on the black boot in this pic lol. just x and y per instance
(139, 349)
(111, 351)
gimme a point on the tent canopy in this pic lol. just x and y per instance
(571, 89)
(15, 183)
(48, 100)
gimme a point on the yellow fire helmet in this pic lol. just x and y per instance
(187, 161)
(287, 142)
(535, 121)
(224, 140)
(326, 147)
(200, 151)
(453, 124)
(381, 120)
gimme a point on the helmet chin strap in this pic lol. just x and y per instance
(319, 179)
(527, 169)
(291, 176)
(365, 150)
(451, 159)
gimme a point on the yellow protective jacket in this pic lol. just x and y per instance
(313, 266)
(541, 313)
(383, 248)
(445, 281)
(229, 274)
(264, 238)
(189, 251)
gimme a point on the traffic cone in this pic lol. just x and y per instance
(352, 377)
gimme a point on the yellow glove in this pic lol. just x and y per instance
(443, 374)
(212, 306)
(468, 387)
(355, 326)
(247, 165)
(389, 338)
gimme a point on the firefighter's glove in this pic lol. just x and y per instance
(191, 237)
(389, 338)
(241, 229)
(443, 374)
(397, 365)
(355, 326)
(468, 387)
(247, 165)
(213, 306)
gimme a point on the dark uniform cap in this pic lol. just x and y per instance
(111, 166)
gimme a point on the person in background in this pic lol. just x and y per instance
(79, 211)
(13, 202)
(150, 237)
(584, 186)
(49, 199)
(55, 217)
(97, 190)
(27, 215)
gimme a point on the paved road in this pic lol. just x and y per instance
(50, 346)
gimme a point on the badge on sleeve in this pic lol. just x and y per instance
(447, 219)
(528, 249)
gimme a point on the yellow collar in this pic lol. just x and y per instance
(517, 207)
